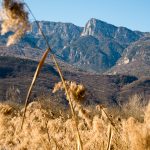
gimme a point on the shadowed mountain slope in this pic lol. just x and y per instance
(104, 89)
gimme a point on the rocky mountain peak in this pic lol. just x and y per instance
(98, 28)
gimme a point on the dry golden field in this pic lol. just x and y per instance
(48, 126)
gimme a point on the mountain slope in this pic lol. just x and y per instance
(59, 34)
(17, 74)
(86, 53)
(99, 46)
(135, 59)
(96, 47)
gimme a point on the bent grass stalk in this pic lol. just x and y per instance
(112, 123)
(33, 81)
(79, 142)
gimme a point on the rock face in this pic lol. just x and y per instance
(135, 59)
(58, 34)
(96, 47)
(99, 29)
(103, 30)
(99, 46)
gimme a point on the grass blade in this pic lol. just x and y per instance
(110, 138)
(33, 81)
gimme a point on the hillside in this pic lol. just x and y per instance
(17, 73)
(95, 47)
(135, 59)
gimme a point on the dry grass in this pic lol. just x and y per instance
(134, 107)
(76, 93)
(47, 128)
(14, 18)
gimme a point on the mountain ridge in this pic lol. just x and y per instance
(96, 47)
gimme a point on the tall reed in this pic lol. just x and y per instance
(79, 142)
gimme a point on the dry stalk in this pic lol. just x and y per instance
(48, 133)
(112, 123)
(61, 76)
(109, 138)
(79, 142)
(33, 81)
(110, 120)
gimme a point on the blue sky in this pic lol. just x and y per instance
(134, 14)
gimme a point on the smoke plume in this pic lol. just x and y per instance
(15, 19)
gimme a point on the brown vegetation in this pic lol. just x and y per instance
(48, 126)
(14, 18)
